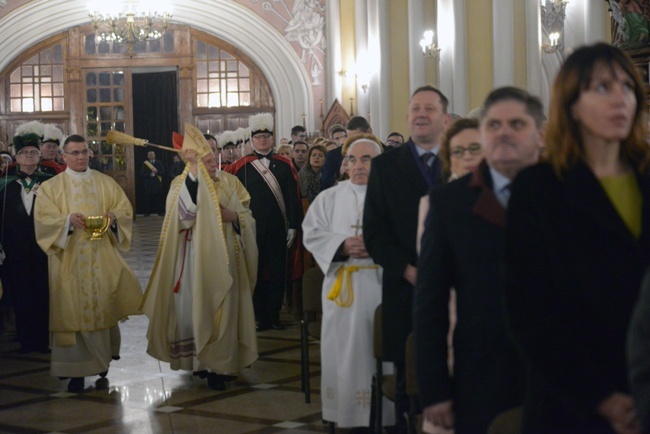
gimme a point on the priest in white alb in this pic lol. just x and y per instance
(351, 291)
(199, 299)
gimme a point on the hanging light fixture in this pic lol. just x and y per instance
(128, 22)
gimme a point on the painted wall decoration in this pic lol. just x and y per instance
(630, 23)
(302, 22)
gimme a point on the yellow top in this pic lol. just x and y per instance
(623, 191)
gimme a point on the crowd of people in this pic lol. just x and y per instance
(511, 247)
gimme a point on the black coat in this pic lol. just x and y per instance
(331, 168)
(25, 269)
(463, 247)
(269, 221)
(574, 271)
(153, 185)
(390, 221)
(264, 206)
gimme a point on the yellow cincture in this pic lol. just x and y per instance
(337, 289)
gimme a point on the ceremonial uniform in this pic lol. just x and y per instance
(24, 269)
(272, 183)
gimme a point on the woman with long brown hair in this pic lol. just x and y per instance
(309, 176)
(578, 244)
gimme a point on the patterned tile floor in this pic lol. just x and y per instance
(145, 396)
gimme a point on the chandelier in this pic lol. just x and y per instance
(128, 22)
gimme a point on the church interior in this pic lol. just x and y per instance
(214, 63)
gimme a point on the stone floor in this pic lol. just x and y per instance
(145, 396)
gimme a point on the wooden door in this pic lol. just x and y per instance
(107, 105)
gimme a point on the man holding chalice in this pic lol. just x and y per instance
(82, 219)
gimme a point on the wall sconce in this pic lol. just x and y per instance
(429, 48)
(551, 47)
(362, 78)
(360, 73)
(553, 16)
(364, 81)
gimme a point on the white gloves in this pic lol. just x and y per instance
(291, 235)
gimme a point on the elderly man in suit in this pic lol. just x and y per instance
(463, 247)
(398, 179)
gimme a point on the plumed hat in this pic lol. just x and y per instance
(46, 132)
(52, 134)
(243, 135)
(261, 123)
(24, 140)
(227, 138)
(194, 140)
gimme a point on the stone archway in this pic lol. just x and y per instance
(225, 19)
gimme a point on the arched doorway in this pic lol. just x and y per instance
(229, 21)
(225, 19)
(85, 87)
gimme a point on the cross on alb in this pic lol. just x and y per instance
(357, 227)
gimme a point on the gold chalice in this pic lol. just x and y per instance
(96, 226)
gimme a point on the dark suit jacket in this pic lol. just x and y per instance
(24, 272)
(264, 206)
(269, 221)
(574, 271)
(331, 168)
(462, 247)
(24, 256)
(390, 220)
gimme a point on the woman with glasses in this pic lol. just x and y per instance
(461, 150)
(24, 270)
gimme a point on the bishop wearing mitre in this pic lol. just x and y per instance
(199, 299)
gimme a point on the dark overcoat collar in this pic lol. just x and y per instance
(486, 206)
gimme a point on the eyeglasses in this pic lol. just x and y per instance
(78, 153)
(262, 136)
(393, 143)
(32, 153)
(473, 149)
